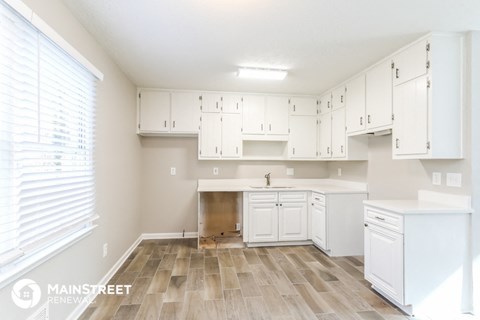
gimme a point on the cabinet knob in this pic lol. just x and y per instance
(365, 224)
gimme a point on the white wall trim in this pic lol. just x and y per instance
(77, 312)
(172, 235)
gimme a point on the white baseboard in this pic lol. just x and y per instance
(173, 235)
(77, 312)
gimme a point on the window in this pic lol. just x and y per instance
(47, 185)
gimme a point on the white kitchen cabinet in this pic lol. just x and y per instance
(210, 136)
(253, 114)
(168, 113)
(277, 216)
(263, 219)
(303, 106)
(379, 97)
(415, 252)
(338, 146)
(411, 62)
(292, 221)
(427, 99)
(337, 223)
(325, 136)
(411, 124)
(319, 221)
(302, 143)
(153, 111)
(325, 103)
(355, 114)
(185, 112)
(211, 102)
(276, 115)
(231, 135)
(384, 260)
(338, 97)
(232, 103)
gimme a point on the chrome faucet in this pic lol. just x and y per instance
(267, 176)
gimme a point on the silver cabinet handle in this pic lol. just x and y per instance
(216, 149)
(293, 150)
(216, 104)
(328, 150)
(174, 123)
(341, 149)
(341, 98)
(379, 218)
(270, 127)
(165, 123)
(361, 121)
(293, 108)
(368, 119)
(397, 73)
(237, 149)
(397, 143)
(261, 126)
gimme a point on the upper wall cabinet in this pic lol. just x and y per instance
(265, 117)
(338, 98)
(211, 102)
(302, 143)
(162, 112)
(427, 99)
(232, 103)
(379, 97)
(303, 106)
(325, 103)
(355, 117)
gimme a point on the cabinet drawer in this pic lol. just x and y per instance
(318, 198)
(292, 196)
(263, 197)
(384, 219)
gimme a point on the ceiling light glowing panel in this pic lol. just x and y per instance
(264, 74)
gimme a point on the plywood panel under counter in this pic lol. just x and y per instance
(220, 219)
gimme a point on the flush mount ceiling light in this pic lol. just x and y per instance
(265, 74)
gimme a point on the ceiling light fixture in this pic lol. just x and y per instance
(265, 74)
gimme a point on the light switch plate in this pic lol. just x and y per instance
(290, 171)
(454, 180)
(173, 171)
(437, 178)
(215, 171)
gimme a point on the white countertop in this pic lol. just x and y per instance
(324, 186)
(428, 202)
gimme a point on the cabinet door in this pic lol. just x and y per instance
(338, 133)
(303, 106)
(154, 111)
(302, 143)
(276, 117)
(325, 136)
(292, 221)
(384, 260)
(231, 135)
(210, 136)
(356, 104)
(325, 103)
(185, 112)
(263, 222)
(338, 98)
(379, 96)
(232, 103)
(253, 114)
(211, 102)
(410, 103)
(319, 226)
(410, 63)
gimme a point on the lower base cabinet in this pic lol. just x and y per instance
(277, 216)
(417, 259)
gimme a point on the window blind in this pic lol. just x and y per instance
(47, 185)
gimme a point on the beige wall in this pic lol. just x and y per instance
(169, 203)
(399, 179)
(117, 171)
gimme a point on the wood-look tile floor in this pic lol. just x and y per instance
(171, 279)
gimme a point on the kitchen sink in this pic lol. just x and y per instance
(270, 187)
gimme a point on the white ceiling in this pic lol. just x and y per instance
(198, 44)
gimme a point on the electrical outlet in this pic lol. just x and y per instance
(173, 171)
(454, 180)
(437, 178)
(339, 172)
(290, 171)
(105, 249)
(215, 171)
(237, 226)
